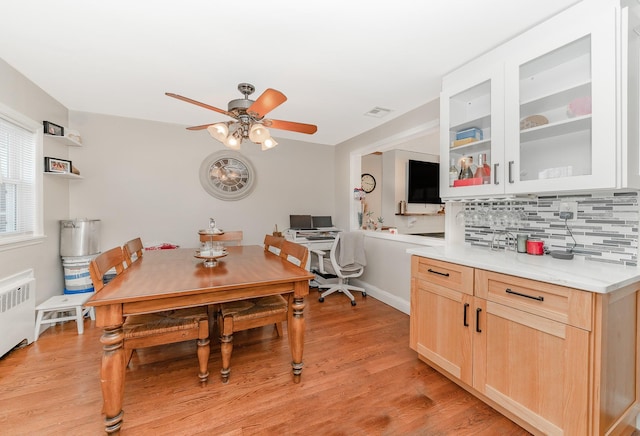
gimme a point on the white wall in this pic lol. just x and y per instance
(372, 164)
(387, 276)
(25, 97)
(388, 270)
(141, 178)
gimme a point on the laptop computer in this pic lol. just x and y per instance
(301, 222)
(322, 221)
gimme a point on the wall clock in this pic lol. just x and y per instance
(227, 175)
(367, 182)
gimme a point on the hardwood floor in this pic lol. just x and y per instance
(360, 378)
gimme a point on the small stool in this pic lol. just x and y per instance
(58, 304)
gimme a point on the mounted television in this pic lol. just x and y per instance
(424, 182)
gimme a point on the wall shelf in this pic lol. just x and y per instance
(64, 175)
(64, 140)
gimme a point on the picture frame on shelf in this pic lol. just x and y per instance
(55, 165)
(53, 129)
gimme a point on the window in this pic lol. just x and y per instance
(20, 180)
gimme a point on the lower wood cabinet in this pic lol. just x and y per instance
(539, 353)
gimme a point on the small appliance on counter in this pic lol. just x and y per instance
(535, 246)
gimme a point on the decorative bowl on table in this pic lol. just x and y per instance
(211, 232)
(210, 257)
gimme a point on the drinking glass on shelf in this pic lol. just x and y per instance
(479, 215)
(491, 218)
(461, 218)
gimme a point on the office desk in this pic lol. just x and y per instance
(172, 279)
(317, 239)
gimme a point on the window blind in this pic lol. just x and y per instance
(17, 180)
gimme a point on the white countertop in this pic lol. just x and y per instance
(576, 273)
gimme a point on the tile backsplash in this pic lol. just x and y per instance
(605, 229)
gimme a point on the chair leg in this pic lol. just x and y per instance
(128, 353)
(343, 287)
(212, 313)
(226, 347)
(38, 324)
(331, 289)
(279, 329)
(79, 319)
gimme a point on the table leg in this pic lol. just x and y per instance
(295, 327)
(112, 377)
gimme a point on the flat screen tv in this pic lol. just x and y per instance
(424, 182)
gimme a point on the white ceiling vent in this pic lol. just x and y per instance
(378, 112)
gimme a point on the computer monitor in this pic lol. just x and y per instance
(321, 221)
(300, 222)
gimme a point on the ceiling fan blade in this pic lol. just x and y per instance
(197, 103)
(269, 100)
(309, 129)
(204, 126)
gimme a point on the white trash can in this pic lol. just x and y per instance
(77, 279)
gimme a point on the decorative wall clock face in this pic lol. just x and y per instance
(368, 183)
(227, 175)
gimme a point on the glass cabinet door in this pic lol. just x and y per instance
(560, 110)
(471, 143)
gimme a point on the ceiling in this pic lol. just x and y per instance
(334, 60)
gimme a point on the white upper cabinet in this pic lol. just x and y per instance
(474, 108)
(553, 104)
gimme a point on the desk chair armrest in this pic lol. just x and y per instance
(321, 255)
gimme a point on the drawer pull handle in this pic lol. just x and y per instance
(464, 321)
(509, 291)
(438, 272)
(478, 310)
(495, 174)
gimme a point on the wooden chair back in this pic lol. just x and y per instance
(133, 246)
(273, 243)
(98, 267)
(294, 253)
(234, 236)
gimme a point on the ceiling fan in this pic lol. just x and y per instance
(249, 115)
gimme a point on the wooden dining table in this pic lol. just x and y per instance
(173, 279)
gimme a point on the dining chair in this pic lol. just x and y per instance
(233, 237)
(241, 315)
(167, 327)
(295, 253)
(273, 243)
(132, 248)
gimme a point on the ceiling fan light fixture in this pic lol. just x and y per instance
(250, 118)
(258, 133)
(268, 143)
(219, 131)
(234, 140)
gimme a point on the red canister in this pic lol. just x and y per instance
(535, 246)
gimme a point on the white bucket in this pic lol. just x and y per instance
(77, 279)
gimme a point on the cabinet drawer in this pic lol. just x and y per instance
(566, 305)
(447, 275)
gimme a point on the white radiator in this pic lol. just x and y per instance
(17, 310)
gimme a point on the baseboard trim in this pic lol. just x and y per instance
(384, 296)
